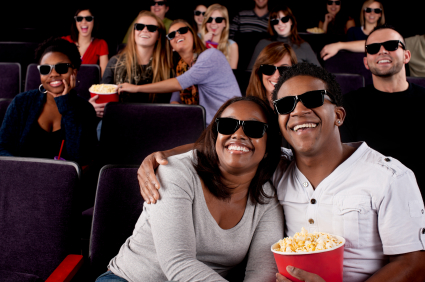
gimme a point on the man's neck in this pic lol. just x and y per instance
(260, 12)
(318, 167)
(391, 84)
(144, 54)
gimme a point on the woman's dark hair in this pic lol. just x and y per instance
(307, 69)
(207, 166)
(61, 46)
(74, 29)
(294, 37)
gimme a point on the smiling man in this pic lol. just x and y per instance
(349, 189)
(378, 113)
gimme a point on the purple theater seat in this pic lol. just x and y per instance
(39, 215)
(349, 82)
(350, 63)
(117, 208)
(130, 132)
(416, 80)
(86, 77)
(10, 80)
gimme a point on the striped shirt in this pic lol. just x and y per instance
(248, 21)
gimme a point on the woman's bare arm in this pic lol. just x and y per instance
(148, 183)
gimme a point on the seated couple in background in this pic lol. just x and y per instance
(324, 185)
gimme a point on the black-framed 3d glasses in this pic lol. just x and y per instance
(251, 128)
(390, 45)
(150, 27)
(336, 3)
(376, 10)
(271, 69)
(282, 19)
(217, 19)
(80, 18)
(310, 99)
(182, 30)
(198, 13)
(160, 3)
(60, 68)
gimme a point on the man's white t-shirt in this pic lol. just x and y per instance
(371, 200)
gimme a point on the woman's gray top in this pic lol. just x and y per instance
(178, 239)
(304, 52)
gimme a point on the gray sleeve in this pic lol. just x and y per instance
(203, 69)
(173, 228)
(108, 75)
(308, 54)
(260, 46)
(261, 263)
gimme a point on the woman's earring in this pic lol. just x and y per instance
(339, 122)
(39, 88)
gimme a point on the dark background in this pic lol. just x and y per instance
(37, 20)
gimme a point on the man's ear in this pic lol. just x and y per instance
(340, 115)
(407, 56)
(365, 63)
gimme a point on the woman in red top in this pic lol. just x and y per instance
(92, 50)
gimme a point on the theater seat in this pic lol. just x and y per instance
(349, 82)
(4, 103)
(132, 131)
(10, 80)
(416, 80)
(39, 219)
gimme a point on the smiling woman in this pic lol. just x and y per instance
(227, 208)
(38, 121)
(92, 50)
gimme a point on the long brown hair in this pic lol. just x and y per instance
(362, 12)
(224, 38)
(295, 38)
(207, 165)
(198, 46)
(270, 55)
(161, 63)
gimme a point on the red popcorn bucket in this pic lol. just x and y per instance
(105, 97)
(327, 264)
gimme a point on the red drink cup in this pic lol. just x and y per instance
(327, 263)
(105, 97)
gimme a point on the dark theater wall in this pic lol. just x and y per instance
(38, 20)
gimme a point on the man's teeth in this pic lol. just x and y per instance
(304, 126)
(384, 61)
(237, 148)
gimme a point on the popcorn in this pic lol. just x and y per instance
(307, 242)
(103, 88)
(315, 30)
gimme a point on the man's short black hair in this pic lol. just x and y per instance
(384, 26)
(307, 69)
(62, 46)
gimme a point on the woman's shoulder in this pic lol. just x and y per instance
(28, 96)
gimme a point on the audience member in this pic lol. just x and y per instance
(39, 121)
(209, 71)
(371, 15)
(283, 28)
(325, 185)
(198, 18)
(386, 58)
(215, 33)
(159, 8)
(336, 22)
(416, 46)
(274, 59)
(249, 21)
(92, 50)
(217, 205)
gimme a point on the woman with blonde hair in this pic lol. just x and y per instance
(215, 33)
(371, 15)
(268, 67)
(203, 77)
(283, 28)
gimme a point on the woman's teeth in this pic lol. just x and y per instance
(237, 148)
(180, 40)
(56, 83)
